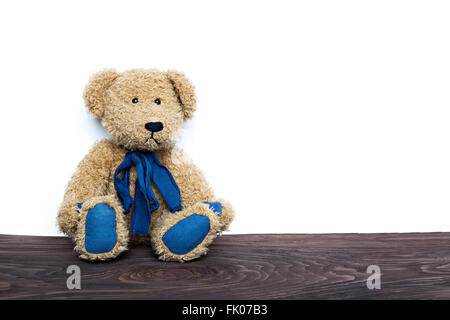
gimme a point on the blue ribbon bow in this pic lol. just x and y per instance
(148, 168)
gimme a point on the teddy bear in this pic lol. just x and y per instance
(138, 187)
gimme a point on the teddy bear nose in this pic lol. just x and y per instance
(154, 126)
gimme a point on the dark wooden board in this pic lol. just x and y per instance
(320, 266)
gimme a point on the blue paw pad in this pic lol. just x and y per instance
(100, 230)
(186, 234)
(216, 207)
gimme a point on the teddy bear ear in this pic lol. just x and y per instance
(185, 91)
(95, 91)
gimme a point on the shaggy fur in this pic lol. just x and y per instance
(109, 96)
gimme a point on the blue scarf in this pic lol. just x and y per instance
(148, 168)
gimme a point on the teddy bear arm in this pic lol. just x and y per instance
(195, 189)
(193, 185)
(185, 235)
(89, 181)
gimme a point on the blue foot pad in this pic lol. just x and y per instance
(186, 234)
(216, 207)
(100, 230)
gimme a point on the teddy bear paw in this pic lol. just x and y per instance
(185, 235)
(101, 233)
(100, 229)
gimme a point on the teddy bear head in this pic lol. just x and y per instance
(141, 109)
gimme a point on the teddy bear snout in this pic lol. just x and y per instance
(154, 126)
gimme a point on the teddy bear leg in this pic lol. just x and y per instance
(185, 235)
(102, 232)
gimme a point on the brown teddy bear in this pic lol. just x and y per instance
(139, 187)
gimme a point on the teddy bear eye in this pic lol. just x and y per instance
(135, 100)
(157, 101)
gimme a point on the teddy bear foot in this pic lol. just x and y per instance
(185, 235)
(102, 232)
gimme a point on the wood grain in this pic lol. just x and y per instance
(321, 266)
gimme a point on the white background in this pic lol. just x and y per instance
(314, 116)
